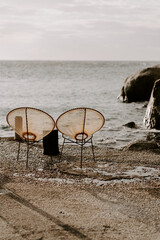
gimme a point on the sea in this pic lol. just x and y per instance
(58, 86)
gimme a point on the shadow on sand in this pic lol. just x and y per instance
(29, 205)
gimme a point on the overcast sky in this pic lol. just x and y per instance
(80, 29)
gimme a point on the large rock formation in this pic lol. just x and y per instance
(152, 116)
(138, 87)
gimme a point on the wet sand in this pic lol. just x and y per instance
(116, 198)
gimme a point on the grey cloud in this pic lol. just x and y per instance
(82, 23)
(19, 32)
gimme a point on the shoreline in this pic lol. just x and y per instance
(116, 197)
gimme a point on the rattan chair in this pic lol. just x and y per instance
(31, 125)
(78, 126)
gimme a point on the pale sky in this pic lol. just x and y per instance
(80, 29)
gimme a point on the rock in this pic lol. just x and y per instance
(152, 116)
(153, 136)
(138, 87)
(130, 125)
(141, 145)
(145, 105)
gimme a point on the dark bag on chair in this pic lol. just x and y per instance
(50, 144)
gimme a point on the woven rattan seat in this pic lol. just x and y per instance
(31, 124)
(78, 126)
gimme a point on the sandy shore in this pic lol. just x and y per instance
(115, 198)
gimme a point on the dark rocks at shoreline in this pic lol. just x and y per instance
(138, 87)
(142, 145)
(131, 125)
(152, 116)
(153, 136)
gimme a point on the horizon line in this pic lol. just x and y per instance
(79, 60)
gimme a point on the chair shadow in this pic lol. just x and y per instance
(3, 180)
(29, 205)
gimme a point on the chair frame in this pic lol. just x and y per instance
(82, 141)
(28, 144)
(26, 139)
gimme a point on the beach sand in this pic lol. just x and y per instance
(115, 198)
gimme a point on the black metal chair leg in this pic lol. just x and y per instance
(61, 150)
(81, 155)
(93, 150)
(27, 154)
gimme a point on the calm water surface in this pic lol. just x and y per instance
(57, 86)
